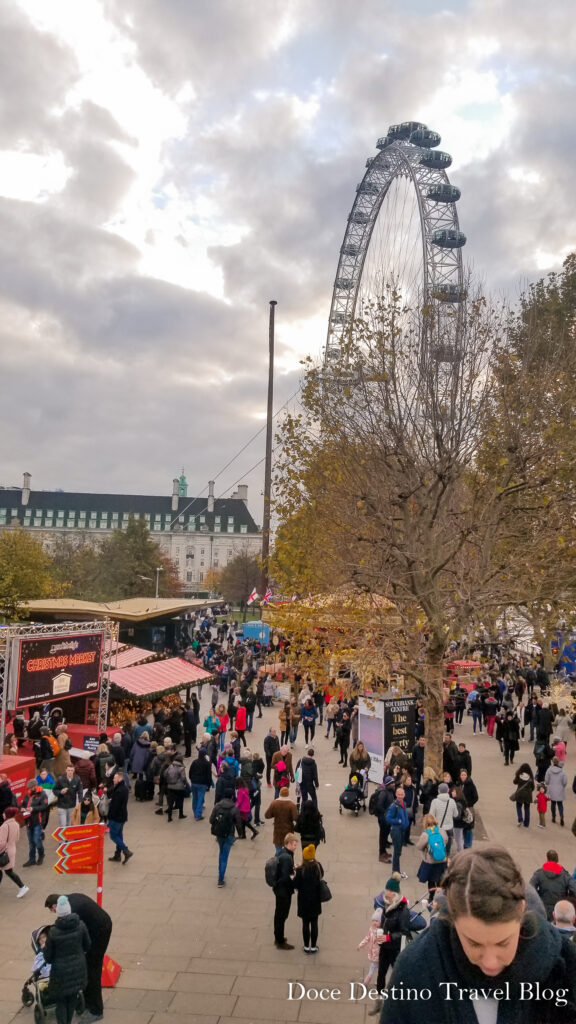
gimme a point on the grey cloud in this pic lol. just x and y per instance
(35, 72)
(114, 379)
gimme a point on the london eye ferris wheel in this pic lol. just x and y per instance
(402, 236)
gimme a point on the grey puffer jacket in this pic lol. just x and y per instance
(175, 776)
(556, 781)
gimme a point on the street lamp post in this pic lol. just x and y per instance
(268, 458)
(159, 569)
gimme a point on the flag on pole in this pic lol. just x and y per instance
(253, 597)
(267, 596)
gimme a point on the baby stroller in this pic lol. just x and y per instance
(354, 796)
(36, 989)
(417, 920)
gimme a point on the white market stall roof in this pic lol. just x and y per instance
(157, 677)
(131, 609)
(124, 657)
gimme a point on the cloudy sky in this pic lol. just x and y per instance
(169, 166)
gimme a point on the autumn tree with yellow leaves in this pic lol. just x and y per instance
(414, 485)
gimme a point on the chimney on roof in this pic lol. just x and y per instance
(210, 495)
(26, 489)
(175, 483)
(241, 493)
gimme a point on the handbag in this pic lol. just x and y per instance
(325, 894)
(103, 805)
(4, 859)
(423, 873)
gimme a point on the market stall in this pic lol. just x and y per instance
(134, 690)
(125, 657)
(18, 769)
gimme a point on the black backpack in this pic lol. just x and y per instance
(374, 801)
(271, 871)
(222, 825)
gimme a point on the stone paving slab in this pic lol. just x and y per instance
(260, 1008)
(135, 978)
(194, 954)
(204, 1003)
(204, 983)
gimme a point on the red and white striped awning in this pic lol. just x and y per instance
(130, 656)
(157, 677)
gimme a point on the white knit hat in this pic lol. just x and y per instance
(63, 906)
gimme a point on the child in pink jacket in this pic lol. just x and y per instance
(373, 940)
(243, 805)
(559, 748)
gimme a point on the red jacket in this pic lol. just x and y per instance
(240, 721)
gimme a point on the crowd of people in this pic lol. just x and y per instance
(174, 759)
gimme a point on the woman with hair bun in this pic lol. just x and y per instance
(484, 959)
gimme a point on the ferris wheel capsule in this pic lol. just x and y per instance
(426, 138)
(404, 130)
(436, 159)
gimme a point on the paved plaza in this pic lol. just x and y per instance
(195, 954)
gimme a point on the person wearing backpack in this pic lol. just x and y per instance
(224, 820)
(380, 808)
(444, 809)
(308, 777)
(49, 749)
(433, 844)
(397, 819)
(283, 889)
(176, 786)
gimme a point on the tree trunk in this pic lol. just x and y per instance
(434, 708)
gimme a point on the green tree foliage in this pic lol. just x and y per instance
(113, 571)
(127, 556)
(75, 565)
(239, 577)
(25, 572)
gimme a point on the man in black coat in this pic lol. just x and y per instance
(283, 890)
(117, 750)
(190, 730)
(118, 816)
(309, 780)
(200, 775)
(418, 762)
(552, 883)
(544, 723)
(99, 926)
(271, 746)
(450, 757)
(464, 759)
(385, 801)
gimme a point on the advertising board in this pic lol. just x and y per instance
(400, 723)
(55, 668)
(371, 732)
